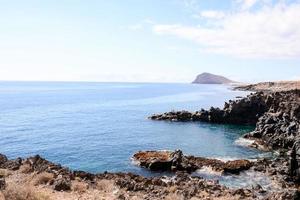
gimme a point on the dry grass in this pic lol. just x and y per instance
(174, 196)
(106, 185)
(172, 189)
(2, 196)
(16, 192)
(26, 169)
(79, 187)
(42, 178)
(4, 173)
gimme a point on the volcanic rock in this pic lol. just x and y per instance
(2, 184)
(176, 161)
(3, 159)
(62, 184)
(241, 111)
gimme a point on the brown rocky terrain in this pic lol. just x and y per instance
(271, 86)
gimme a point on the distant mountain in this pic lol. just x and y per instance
(207, 78)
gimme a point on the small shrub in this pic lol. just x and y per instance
(174, 196)
(105, 185)
(43, 178)
(79, 187)
(172, 189)
(5, 173)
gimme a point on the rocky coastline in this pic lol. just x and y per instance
(53, 181)
(276, 116)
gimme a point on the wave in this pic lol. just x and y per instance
(244, 142)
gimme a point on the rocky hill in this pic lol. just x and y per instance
(207, 78)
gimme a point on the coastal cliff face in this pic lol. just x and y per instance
(279, 126)
(243, 111)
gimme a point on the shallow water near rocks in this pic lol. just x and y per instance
(97, 127)
(245, 179)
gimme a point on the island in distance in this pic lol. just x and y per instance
(207, 78)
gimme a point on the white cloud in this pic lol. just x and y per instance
(212, 14)
(135, 27)
(190, 3)
(246, 4)
(271, 31)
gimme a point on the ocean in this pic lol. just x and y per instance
(97, 127)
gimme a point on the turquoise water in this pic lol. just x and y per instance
(98, 126)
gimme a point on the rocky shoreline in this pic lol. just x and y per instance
(276, 116)
(57, 182)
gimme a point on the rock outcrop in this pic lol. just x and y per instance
(176, 161)
(242, 111)
(294, 165)
(2, 183)
(279, 126)
(62, 184)
(3, 159)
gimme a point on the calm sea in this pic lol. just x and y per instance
(98, 126)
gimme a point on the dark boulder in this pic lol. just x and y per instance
(160, 160)
(62, 184)
(12, 164)
(235, 166)
(3, 159)
(295, 161)
(2, 184)
(39, 164)
(84, 175)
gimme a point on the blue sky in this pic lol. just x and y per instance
(149, 40)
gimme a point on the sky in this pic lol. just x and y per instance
(149, 40)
